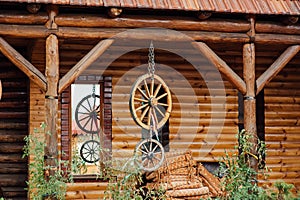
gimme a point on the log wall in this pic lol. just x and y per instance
(13, 128)
(196, 119)
(282, 108)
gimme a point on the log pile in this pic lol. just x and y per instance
(183, 178)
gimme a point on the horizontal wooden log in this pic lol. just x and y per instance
(269, 27)
(13, 168)
(126, 21)
(13, 180)
(11, 138)
(19, 17)
(11, 125)
(27, 31)
(277, 39)
(14, 192)
(282, 160)
(11, 147)
(95, 194)
(86, 186)
(12, 158)
(14, 115)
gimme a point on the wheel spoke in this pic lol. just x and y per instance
(84, 113)
(89, 104)
(143, 152)
(85, 108)
(160, 112)
(141, 107)
(143, 161)
(157, 90)
(142, 92)
(161, 96)
(150, 147)
(162, 104)
(152, 162)
(141, 100)
(94, 103)
(155, 148)
(146, 88)
(145, 148)
(156, 158)
(85, 152)
(159, 152)
(92, 120)
(83, 118)
(152, 86)
(96, 123)
(144, 112)
(86, 123)
(149, 118)
(148, 163)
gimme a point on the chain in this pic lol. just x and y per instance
(93, 91)
(151, 63)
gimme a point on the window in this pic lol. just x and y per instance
(86, 122)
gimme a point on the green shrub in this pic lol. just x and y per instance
(240, 180)
(38, 187)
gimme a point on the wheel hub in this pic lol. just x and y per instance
(150, 155)
(152, 101)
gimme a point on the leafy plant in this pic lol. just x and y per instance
(240, 180)
(126, 182)
(38, 187)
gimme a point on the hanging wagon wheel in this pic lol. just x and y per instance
(149, 154)
(90, 151)
(87, 114)
(150, 93)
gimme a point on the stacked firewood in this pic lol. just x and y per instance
(183, 178)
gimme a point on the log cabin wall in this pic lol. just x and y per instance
(190, 118)
(282, 127)
(13, 128)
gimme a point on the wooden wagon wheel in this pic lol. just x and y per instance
(150, 92)
(87, 114)
(90, 151)
(149, 154)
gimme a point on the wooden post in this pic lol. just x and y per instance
(249, 98)
(51, 103)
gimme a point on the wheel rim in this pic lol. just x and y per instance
(149, 154)
(149, 94)
(90, 151)
(87, 114)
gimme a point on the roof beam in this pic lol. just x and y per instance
(276, 67)
(24, 65)
(230, 75)
(83, 64)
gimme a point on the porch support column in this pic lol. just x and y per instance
(51, 103)
(249, 98)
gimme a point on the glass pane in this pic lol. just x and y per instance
(86, 128)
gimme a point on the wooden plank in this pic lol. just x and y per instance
(51, 102)
(276, 67)
(83, 64)
(231, 76)
(24, 65)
